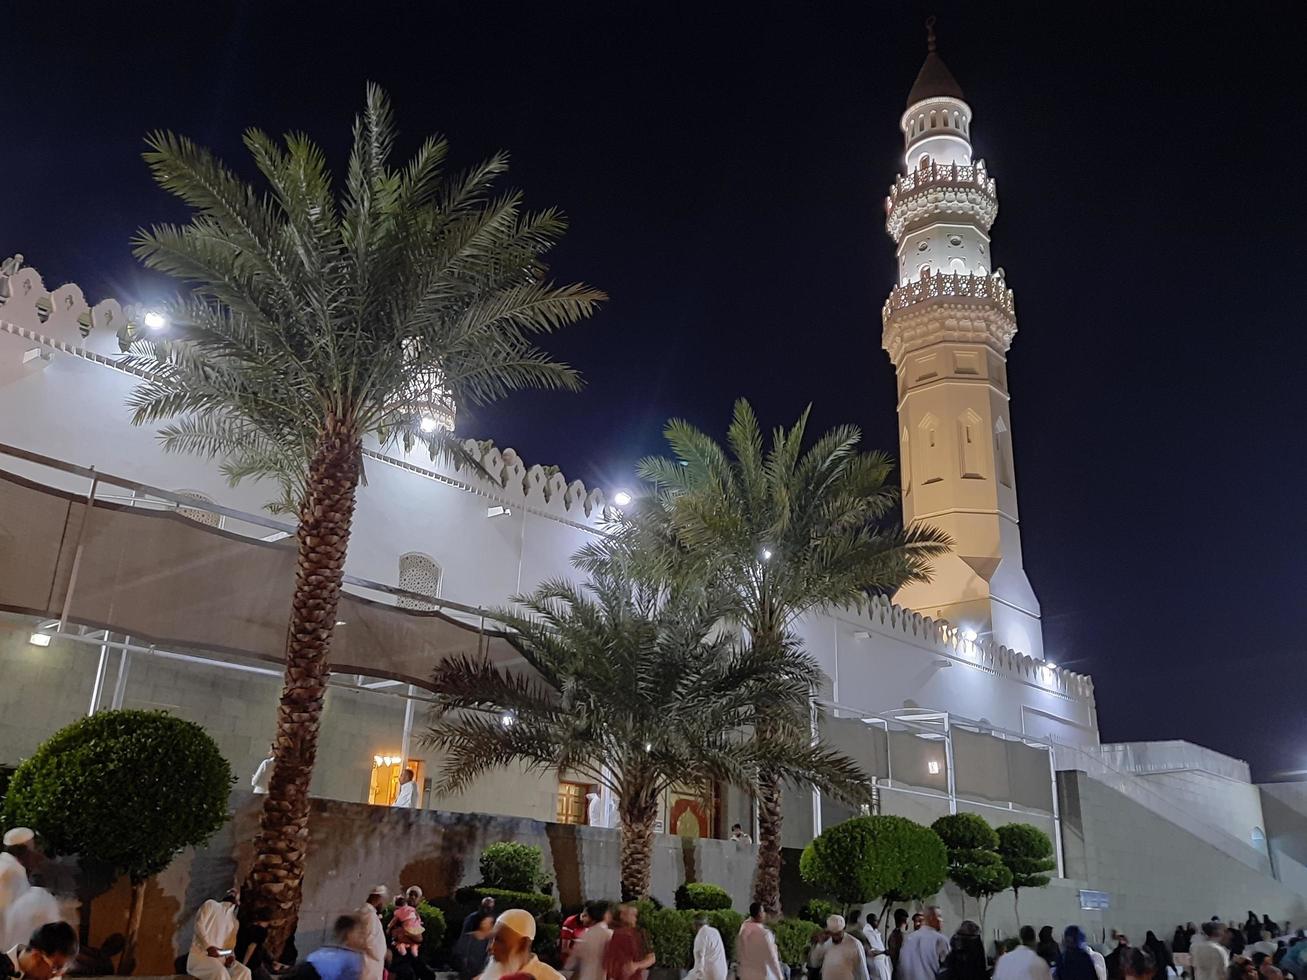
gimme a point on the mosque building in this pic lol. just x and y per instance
(131, 578)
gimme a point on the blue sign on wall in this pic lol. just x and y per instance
(1093, 901)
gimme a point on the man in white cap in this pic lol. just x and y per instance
(374, 934)
(510, 948)
(840, 957)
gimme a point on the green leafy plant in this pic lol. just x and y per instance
(537, 903)
(319, 316)
(512, 866)
(782, 529)
(866, 858)
(125, 789)
(1027, 852)
(793, 936)
(703, 896)
(671, 934)
(973, 861)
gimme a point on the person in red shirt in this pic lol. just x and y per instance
(628, 956)
(574, 927)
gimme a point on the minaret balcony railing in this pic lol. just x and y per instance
(939, 188)
(950, 286)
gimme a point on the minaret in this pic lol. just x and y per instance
(948, 324)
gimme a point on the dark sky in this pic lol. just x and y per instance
(724, 167)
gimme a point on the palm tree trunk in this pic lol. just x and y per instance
(638, 816)
(276, 879)
(767, 875)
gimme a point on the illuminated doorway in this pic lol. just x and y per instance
(383, 787)
(689, 814)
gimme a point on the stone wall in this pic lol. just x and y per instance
(355, 847)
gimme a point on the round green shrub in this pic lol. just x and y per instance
(793, 936)
(537, 903)
(965, 832)
(125, 789)
(703, 896)
(867, 858)
(511, 866)
(671, 934)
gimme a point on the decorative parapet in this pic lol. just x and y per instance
(958, 307)
(984, 654)
(60, 321)
(957, 189)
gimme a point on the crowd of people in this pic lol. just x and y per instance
(384, 941)
(917, 948)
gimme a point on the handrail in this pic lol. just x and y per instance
(950, 285)
(943, 173)
(194, 503)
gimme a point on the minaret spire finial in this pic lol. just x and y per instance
(930, 33)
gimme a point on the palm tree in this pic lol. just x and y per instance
(635, 690)
(784, 531)
(316, 320)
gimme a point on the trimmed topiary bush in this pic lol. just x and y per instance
(671, 934)
(513, 867)
(867, 858)
(973, 861)
(1027, 852)
(703, 896)
(793, 936)
(125, 789)
(537, 903)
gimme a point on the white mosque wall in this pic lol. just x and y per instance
(72, 406)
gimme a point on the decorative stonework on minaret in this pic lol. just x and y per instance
(947, 327)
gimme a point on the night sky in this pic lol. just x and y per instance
(724, 167)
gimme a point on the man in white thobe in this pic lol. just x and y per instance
(923, 951)
(878, 961)
(1023, 963)
(755, 948)
(709, 952)
(407, 790)
(1210, 960)
(262, 777)
(213, 946)
(840, 956)
(374, 934)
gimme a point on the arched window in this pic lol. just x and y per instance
(198, 514)
(932, 120)
(957, 266)
(955, 120)
(924, 271)
(418, 573)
